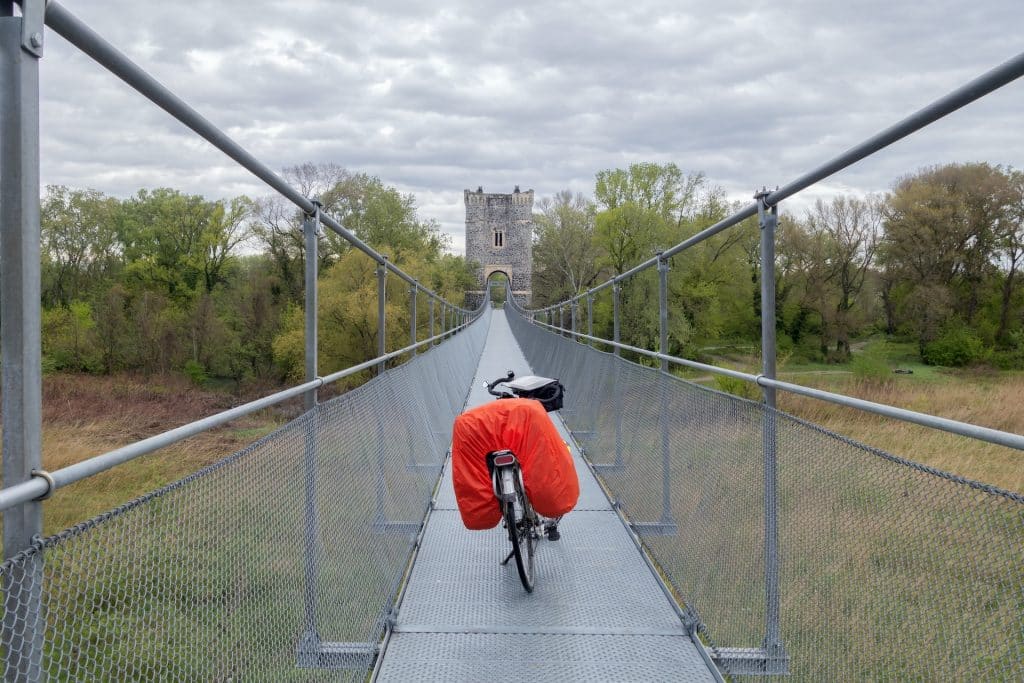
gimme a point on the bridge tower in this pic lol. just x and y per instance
(499, 238)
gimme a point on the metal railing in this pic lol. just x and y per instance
(26, 614)
(885, 569)
(765, 207)
(26, 482)
(21, 198)
(283, 561)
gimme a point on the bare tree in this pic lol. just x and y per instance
(1010, 247)
(848, 229)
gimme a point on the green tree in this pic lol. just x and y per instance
(942, 229)
(662, 189)
(376, 213)
(79, 243)
(181, 244)
(565, 253)
(69, 338)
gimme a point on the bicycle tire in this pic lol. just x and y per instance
(521, 536)
(530, 533)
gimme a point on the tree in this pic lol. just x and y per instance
(565, 255)
(627, 235)
(941, 231)
(79, 243)
(847, 231)
(181, 244)
(113, 331)
(661, 189)
(1009, 247)
(375, 213)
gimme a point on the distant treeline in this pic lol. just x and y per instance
(166, 281)
(935, 260)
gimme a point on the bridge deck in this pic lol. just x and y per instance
(597, 612)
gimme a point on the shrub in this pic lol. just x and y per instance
(738, 387)
(1011, 357)
(69, 339)
(871, 365)
(196, 372)
(956, 346)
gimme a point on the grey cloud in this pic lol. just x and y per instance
(438, 97)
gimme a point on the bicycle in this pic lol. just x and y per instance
(523, 523)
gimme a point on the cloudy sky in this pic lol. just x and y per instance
(435, 97)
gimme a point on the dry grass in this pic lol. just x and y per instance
(989, 400)
(85, 416)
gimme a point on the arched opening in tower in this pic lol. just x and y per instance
(496, 287)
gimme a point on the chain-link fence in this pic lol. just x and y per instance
(889, 570)
(274, 564)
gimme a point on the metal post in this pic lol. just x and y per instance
(666, 525)
(21, 41)
(616, 289)
(561, 319)
(413, 291)
(311, 229)
(590, 317)
(573, 308)
(432, 335)
(768, 219)
(382, 274)
(663, 307)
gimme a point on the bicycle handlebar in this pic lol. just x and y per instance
(501, 380)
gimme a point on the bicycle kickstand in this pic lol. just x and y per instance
(505, 561)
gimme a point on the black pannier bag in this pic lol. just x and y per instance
(544, 389)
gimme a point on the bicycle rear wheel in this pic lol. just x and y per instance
(521, 534)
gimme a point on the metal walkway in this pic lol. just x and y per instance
(597, 613)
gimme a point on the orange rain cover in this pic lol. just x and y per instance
(522, 426)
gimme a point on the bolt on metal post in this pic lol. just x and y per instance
(768, 220)
(20, 334)
(382, 274)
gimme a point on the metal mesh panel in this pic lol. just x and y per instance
(221, 576)
(888, 569)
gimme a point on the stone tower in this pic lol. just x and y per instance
(499, 238)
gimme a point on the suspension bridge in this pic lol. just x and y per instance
(714, 537)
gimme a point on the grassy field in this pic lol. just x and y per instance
(84, 416)
(846, 521)
(981, 396)
(880, 578)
